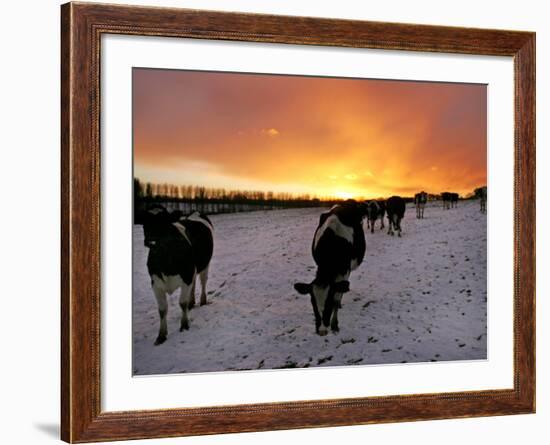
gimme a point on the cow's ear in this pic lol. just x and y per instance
(303, 288)
(341, 287)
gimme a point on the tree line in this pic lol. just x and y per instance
(219, 200)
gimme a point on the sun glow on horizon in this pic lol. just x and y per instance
(343, 194)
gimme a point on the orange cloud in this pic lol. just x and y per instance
(272, 132)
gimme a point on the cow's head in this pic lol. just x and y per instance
(155, 221)
(323, 300)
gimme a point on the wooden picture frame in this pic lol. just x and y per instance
(82, 26)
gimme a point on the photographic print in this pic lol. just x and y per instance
(285, 221)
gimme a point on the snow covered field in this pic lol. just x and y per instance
(419, 298)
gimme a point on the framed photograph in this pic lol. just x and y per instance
(274, 222)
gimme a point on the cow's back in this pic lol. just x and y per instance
(199, 232)
(337, 247)
(396, 206)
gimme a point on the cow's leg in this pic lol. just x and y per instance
(192, 296)
(162, 304)
(337, 305)
(316, 314)
(372, 226)
(334, 320)
(382, 222)
(204, 278)
(185, 297)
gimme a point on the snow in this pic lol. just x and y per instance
(419, 298)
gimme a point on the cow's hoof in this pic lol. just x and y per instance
(204, 302)
(160, 340)
(335, 329)
(399, 235)
(191, 305)
(184, 327)
(322, 331)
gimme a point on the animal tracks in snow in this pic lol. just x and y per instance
(409, 300)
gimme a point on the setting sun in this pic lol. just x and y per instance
(340, 194)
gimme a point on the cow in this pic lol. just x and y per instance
(373, 212)
(382, 212)
(395, 208)
(420, 200)
(338, 248)
(446, 198)
(481, 192)
(454, 199)
(178, 251)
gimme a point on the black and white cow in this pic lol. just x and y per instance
(420, 200)
(338, 248)
(373, 212)
(395, 207)
(178, 252)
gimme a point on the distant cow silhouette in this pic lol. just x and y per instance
(395, 208)
(420, 200)
(454, 199)
(446, 198)
(382, 212)
(481, 193)
(373, 213)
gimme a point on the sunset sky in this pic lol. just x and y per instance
(323, 136)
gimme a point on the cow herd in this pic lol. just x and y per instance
(181, 248)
